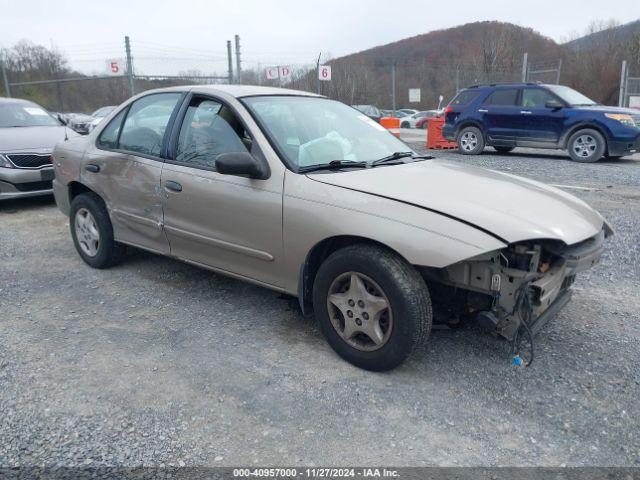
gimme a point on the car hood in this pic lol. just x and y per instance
(33, 138)
(608, 109)
(510, 207)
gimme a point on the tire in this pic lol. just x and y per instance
(92, 232)
(586, 146)
(425, 125)
(470, 141)
(402, 325)
(503, 150)
(405, 125)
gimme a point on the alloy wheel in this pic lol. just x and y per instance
(585, 146)
(468, 141)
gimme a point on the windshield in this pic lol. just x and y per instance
(316, 131)
(25, 115)
(571, 96)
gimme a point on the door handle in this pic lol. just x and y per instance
(173, 186)
(525, 112)
(92, 167)
(483, 110)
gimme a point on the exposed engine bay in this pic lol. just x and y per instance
(516, 290)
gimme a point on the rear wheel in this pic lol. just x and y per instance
(404, 125)
(503, 150)
(586, 146)
(92, 232)
(470, 141)
(373, 307)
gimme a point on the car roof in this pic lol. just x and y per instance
(237, 91)
(509, 85)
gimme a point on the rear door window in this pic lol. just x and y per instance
(144, 128)
(109, 136)
(504, 97)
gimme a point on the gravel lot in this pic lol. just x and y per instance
(156, 362)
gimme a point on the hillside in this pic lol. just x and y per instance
(621, 34)
(436, 61)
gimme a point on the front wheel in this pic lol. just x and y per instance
(470, 141)
(586, 146)
(405, 125)
(92, 232)
(373, 307)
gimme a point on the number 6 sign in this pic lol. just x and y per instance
(324, 72)
(115, 66)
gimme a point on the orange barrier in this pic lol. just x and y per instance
(435, 140)
(391, 123)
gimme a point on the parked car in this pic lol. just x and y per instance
(540, 116)
(370, 111)
(423, 122)
(99, 115)
(408, 111)
(392, 113)
(79, 122)
(306, 196)
(411, 121)
(28, 134)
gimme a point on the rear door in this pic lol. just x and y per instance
(125, 166)
(542, 126)
(226, 222)
(501, 116)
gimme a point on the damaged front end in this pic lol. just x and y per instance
(516, 289)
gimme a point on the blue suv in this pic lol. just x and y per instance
(506, 116)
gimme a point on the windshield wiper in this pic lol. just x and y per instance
(332, 165)
(394, 157)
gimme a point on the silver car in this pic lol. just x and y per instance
(28, 134)
(310, 197)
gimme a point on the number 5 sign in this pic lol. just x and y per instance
(115, 66)
(324, 72)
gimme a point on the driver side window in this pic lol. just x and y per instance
(535, 98)
(208, 130)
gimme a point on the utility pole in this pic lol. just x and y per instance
(127, 49)
(238, 70)
(623, 84)
(559, 72)
(230, 61)
(318, 73)
(457, 79)
(393, 85)
(5, 77)
(525, 67)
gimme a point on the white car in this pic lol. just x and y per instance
(411, 120)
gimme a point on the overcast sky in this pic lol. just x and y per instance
(192, 34)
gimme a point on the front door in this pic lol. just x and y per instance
(229, 223)
(543, 126)
(125, 167)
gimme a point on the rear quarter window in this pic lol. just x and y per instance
(464, 98)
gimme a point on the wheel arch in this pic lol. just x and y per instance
(317, 254)
(472, 123)
(564, 142)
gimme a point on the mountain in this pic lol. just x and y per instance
(437, 62)
(619, 33)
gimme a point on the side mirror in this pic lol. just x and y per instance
(554, 105)
(242, 164)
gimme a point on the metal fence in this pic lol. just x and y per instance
(384, 82)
